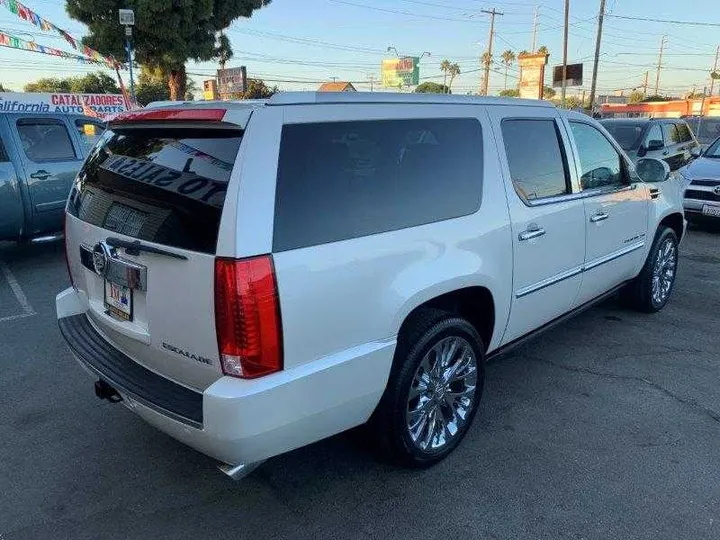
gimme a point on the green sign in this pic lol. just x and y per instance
(399, 72)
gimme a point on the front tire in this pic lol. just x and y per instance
(651, 290)
(433, 392)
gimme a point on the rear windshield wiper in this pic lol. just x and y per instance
(134, 247)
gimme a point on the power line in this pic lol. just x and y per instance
(666, 21)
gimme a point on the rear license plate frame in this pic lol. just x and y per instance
(117, 310)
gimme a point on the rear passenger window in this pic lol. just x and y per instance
(536, 158)
(89, 132)
(671, 133)
(344, 180)
(45, 140)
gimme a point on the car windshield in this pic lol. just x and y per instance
(627, 134)
(705, 129)
(714, 150)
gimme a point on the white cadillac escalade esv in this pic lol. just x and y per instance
(253, 277)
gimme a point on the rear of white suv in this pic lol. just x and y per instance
(174, 306)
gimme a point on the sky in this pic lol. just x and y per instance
(297, 45)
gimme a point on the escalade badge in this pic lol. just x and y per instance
(100, 256)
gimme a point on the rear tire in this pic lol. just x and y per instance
(433, 391)
(650, 291)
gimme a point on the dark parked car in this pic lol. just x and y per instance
(705, 128)
(669, 139)
(40, 154)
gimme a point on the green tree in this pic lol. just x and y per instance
(152, 86)
(257, 89)
(656, 97)
(48, 84)
(166, 34)
(543, 50)
(94, 83)
(445, 68)
(636, 96)
(2, 88)
(508, 59)
(429, 87)
(453, 71)
(510, 92)
(548, 92)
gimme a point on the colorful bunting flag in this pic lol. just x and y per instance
(30, 16)
(12, 42)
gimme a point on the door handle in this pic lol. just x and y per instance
(600, 216)
(40, 175)
(533, 231)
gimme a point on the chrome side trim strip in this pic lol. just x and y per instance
(577, 270)
(613, 256)
(552, 280)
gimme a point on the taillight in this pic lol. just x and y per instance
(247, 317)
(67, 254)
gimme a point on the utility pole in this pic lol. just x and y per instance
(712, 81)
(657, 77)
(645, 84)
(593, 84)
(371, 78)
(565, 45)
(535, 27)
(492, 14)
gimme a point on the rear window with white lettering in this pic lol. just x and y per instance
(160, 185)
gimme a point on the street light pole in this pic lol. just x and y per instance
(127, 19)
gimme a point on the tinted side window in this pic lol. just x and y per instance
(89, 132)
(45, 140)
(600, 163)
(535, 157)
(654, 134)
(684, 132)
(344, 180)
(671, 133)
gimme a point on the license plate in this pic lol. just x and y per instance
(711, 210)
(118, 300)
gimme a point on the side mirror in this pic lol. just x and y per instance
(696, 151)
(655, 145)
(652, 170)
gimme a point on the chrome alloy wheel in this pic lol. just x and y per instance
(442, 394)
(663, 274)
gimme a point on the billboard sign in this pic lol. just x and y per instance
(400, 72)
(101, 104)
(574, 75)
(532, 75)
(231, 81)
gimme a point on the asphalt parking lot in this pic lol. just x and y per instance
(607, 427)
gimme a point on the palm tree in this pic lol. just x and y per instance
(508, 57)
(445, 68)
(454, 71)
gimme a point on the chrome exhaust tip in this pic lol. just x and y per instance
(239, 471)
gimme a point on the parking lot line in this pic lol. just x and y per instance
(28, 311)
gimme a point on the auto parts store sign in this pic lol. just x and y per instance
(399, 72)
(61, 103)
